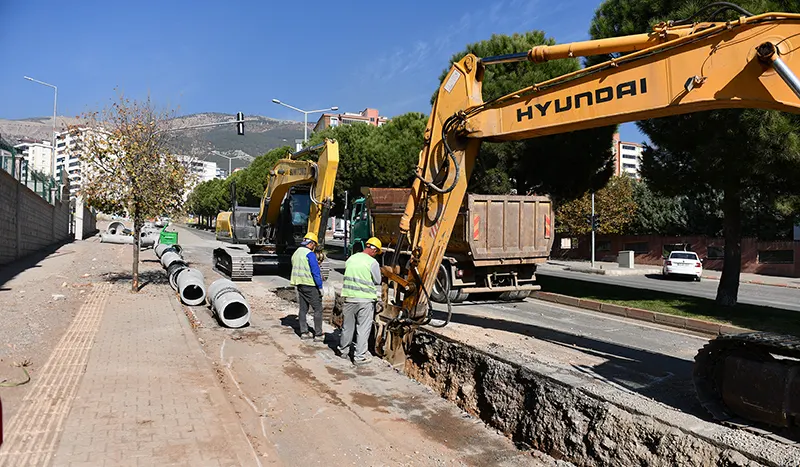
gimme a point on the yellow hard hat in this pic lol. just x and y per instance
(312, 236)
(375, 242)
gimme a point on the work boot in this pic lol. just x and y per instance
(319, 337)
(307, 336)
(362, 361)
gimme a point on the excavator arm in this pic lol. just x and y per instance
(673, 70)
(289, 172)
(678, 68)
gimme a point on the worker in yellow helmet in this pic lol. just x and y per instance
(307, 279)
(361, 292)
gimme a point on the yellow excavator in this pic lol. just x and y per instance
(680, 67)
(297, 199)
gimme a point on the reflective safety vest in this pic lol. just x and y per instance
(358, 281)
(301, 271)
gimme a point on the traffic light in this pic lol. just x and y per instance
(593, 221)
(240, 123)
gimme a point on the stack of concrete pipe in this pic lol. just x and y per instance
(118, 233)
(228, 304)
(226, 300)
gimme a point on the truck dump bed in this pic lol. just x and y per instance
(491, 229)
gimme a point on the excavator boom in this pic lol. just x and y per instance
(678, 68)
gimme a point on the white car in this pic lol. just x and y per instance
(683, 263)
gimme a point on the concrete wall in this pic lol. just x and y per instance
(85, 220)
(28, 223)
(653, 247)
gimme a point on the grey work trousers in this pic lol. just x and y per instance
(309, 295)
(358, 317)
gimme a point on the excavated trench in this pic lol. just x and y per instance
(562, 414)
(559, 413)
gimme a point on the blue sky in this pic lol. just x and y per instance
(228, 56)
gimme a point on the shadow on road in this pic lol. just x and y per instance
(660, 377)
(13, 269)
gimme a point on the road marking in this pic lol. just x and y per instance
(36, 427)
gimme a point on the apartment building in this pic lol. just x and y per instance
(68, 158)
(203, 170)
(368, 116)
(38, 154)
(627, 157)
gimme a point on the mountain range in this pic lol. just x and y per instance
(260, 135)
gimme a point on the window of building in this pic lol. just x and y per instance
(776, 256)
(371, 119)
(637, 247)
(629, 156)
(603, 245)
(629, 166)
(629, 147)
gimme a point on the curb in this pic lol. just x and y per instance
(680, 322)
(789, 286)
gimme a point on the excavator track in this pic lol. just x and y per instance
(238, 265)
(751, 381)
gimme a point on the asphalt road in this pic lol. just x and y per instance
(754, 294)
(644, 358)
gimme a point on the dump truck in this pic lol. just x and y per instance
(495, 246)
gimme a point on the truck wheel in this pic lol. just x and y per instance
(439, 293)
(457, 296)
(514, 295)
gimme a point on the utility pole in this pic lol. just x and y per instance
(305, 115)
(346, 217)
(593, 228)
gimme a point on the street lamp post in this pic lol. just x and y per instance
(305, 115)
(55, 104)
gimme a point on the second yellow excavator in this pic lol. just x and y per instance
(297, 199)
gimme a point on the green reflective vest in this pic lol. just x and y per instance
(358, 281)
(301, 271)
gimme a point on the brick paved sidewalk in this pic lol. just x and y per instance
(147, 397)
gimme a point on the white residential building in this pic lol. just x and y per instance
(628, 157)
(68, 154)
(204, 170)
(39, 155)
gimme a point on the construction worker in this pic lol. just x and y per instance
(307, 279)
(362, 276)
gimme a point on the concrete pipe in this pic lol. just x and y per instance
(119, 239)
(191, 286)
(115, 228)
(160, 249)
(170, 257)
(228, 303)
(172, 272)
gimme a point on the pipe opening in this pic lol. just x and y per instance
(234, 310)
(192, 292)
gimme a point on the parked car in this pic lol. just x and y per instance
(683, 263)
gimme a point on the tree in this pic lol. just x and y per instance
(372, 156)
(564, 166)
(736, 155)
(127, 169)
(656, 214)
(613, 205)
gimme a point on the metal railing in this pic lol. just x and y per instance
(16, 165)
